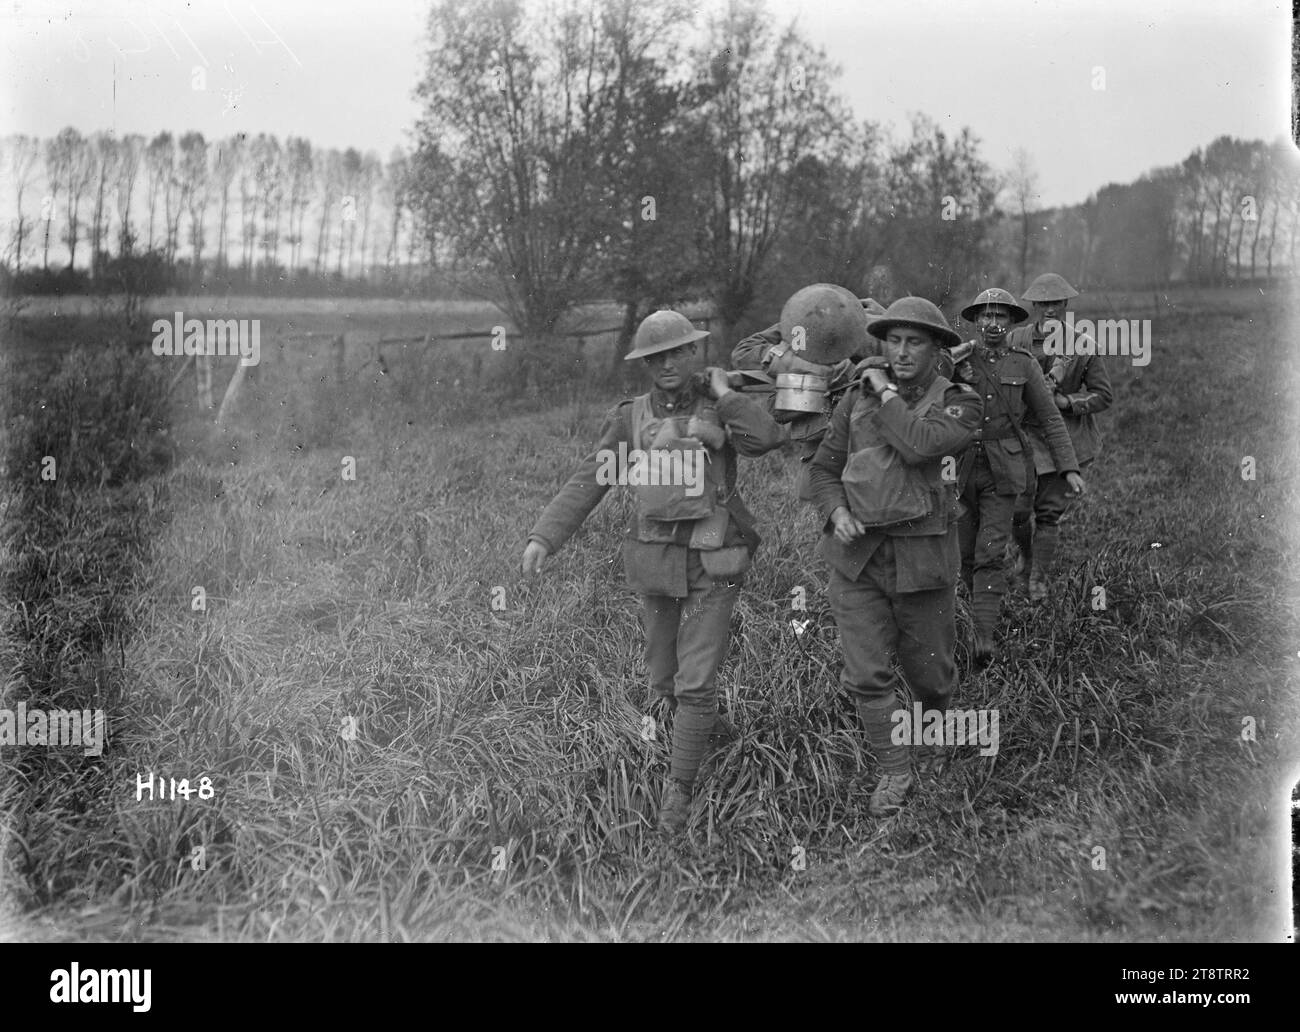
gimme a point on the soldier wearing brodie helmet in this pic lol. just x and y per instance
(994, 471)
(1080, 389)
(878, 480)
(810, 354)
(688, 546)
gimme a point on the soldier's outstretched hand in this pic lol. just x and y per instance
(535, 554)
(1076, 483)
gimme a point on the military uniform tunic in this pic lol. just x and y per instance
(892, 589)
(994, 469)
(1086, 384)
(754, 352)
(686, 612)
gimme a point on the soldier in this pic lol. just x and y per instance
(890, 534)
(834, 336)
(686, 550)
(1081, 388)
(994, 469)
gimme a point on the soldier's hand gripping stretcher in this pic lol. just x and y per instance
(736, 379)
(947, 360)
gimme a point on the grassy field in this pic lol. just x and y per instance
(408, 741)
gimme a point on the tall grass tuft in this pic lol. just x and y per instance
(83, 450)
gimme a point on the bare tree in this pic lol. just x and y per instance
(394, 190)
(1022, 182)
(1195, 203)
(1222, 175)
(329, 191)
(226, 166)
(1255, 183)
(57, 160)
(349, 177)
(1283, 191)
(368, 179)
(511, 171)
(130, 153)
(652, 183)
(195, 193)
(104, 154)
(169, 184)
(839, 210)
(248, 196)
(268, 163)
(770, 107)
(23, 154)
(159, 158)
(943, 203)
(69, 164)
(298, 158)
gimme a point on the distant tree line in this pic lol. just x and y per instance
(645, 153)
(1229, 213)
(184, 212)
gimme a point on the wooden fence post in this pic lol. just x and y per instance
(203, 370)
(232, 389)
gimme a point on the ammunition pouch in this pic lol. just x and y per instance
(726, 562)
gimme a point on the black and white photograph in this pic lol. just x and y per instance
(650, 471)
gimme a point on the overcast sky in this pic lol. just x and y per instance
(1177, 73)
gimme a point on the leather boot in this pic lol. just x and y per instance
(675, 806)
(1048, 539)
(896, 780)
(985, 611)
(1022, 533)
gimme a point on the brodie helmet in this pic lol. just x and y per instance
(825, 323)
(916, 312)
(1049, 287)
(994, 296)
(662, 331)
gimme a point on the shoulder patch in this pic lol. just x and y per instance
(956, 411)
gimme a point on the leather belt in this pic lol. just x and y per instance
(1001, 435)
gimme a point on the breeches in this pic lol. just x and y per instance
(876, 623)
(686, 638)
(1047, 499)
(983, 531)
